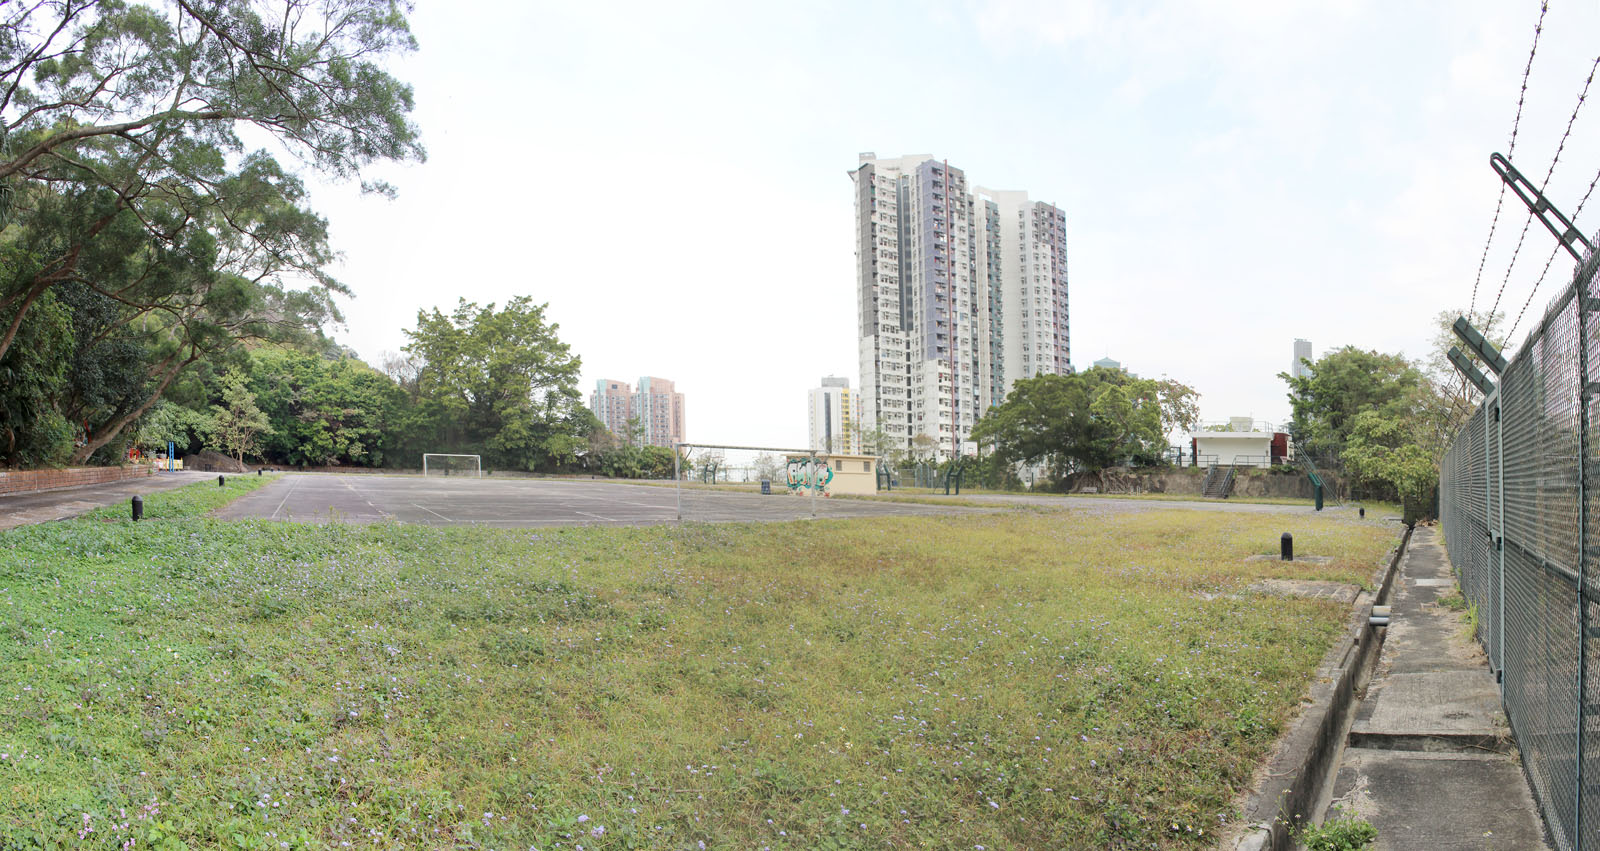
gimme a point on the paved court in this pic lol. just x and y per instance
(515, 503)
(21, 509)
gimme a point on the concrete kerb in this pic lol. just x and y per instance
(1294, 781)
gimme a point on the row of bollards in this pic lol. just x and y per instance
(1286, 543)
(138, 502)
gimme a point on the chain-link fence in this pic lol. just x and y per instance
(1520, 504)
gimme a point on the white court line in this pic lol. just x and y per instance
(434, 513)
(370, 503)
(293, 483)
(595, 516)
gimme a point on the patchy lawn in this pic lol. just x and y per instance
(1030, 679)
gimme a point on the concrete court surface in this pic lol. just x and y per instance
(516, 503)
(21, 509)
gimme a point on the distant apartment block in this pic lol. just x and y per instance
(656, 406)
(610, 404)
(961, 292)
(834, 417)
(659, 409)
(1302, 351)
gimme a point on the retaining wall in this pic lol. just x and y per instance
(26, 481)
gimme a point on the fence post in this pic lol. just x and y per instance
(815, 485)
(1499, 654)
(1584, 397)
(677, 483)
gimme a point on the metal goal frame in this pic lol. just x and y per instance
(477, 461)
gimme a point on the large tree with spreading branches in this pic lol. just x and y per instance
(148, 158)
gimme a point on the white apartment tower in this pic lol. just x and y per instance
(961, 292)
(833, 414)
(1302, 352)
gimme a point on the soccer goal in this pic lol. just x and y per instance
(440, 464)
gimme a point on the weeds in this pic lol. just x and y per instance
(1346, 833)
(1001, 679)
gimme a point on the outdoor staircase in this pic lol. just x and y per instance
(1303, 458)
(1219, 482)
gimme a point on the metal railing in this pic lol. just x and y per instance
(1518, 499)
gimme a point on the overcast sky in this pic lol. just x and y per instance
(671, 177)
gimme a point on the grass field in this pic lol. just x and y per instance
(1022, 680)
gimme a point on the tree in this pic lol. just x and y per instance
(32, 376)
(1386, 455)
(1380, 414)
(1458, 396)
(1087, 421)
(1345, 383)
(237, 422)
(328, 409)
(187, 429)
(123, 166)
(766, 466)
(503, 382)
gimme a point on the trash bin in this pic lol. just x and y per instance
(766, 487)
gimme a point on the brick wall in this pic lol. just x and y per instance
(23, 481)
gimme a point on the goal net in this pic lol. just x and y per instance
(439, 464)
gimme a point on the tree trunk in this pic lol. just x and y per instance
(34, 292)
(110, 430)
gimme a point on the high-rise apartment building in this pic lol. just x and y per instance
(656, 406)
(1302, 352)
(610, 402)
(834, 417)
(961, 292)
(659, 409)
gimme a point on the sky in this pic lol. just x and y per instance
(672, 178)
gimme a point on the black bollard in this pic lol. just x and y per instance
(258, 471)
(1363, 511)
(221, 480)
(1286, 547)
(138, 509)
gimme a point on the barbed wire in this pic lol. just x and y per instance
(1551, 259)
(1582, 96)
(1516, 122)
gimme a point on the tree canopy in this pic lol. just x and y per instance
(1087, 421)
(502, 382)
(126, 177)
(1380, 415)
(1345, 383)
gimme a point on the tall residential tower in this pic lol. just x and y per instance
(833, 415)
(961, 292)
(656, 408)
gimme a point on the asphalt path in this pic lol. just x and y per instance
(518, 503)
(21, 509)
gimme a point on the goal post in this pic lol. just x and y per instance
(445, 464)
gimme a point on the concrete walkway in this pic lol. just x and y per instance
(21, 509)
(1429, 760)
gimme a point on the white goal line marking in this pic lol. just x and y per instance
(434, 513)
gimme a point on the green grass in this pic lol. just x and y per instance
(1346, 833)
(1008, 680)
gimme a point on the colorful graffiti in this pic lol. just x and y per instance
(809, 474)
